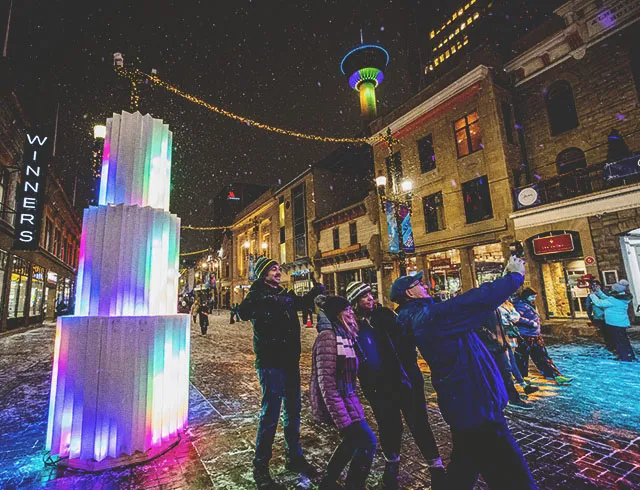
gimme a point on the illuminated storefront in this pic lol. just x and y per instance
(444, 273)
(488, 262)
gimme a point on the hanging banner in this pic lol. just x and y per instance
(407, 231)
(31, 191)
(392, 228)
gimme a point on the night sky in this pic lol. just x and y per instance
(273, 61)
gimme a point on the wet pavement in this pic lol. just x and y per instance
(584, 436)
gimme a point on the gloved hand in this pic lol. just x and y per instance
(317, 289)
(515, 265)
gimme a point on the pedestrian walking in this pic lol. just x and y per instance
(470, 389)
(203, 318)
(510, 317)
(596, 314)
(616, 317)
(232, 314)
(494, 338)
(393, 384)
(532, 344)
(195, 307)
(333, 394)
(276, 344)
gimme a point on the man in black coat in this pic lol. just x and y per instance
(393, 384)
(276, 344)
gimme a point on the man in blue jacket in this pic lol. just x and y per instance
(471, 393)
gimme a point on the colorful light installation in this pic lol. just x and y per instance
(121, 366)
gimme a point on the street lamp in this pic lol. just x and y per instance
(99, 131)
(398, 200)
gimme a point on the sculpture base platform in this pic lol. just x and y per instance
(124, 461)
(120, 385)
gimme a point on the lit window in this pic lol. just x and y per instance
(469, 20)
(447, 54)
(477, 200)
(460, 12)
(466, 6)
(457, 31)
(433, 212)
(472, 2)
(426, 154)
(467, 134)
(450, 36)
(441, 58)
(436, 62)
(446, 41)
(449, 22)
(466, 41)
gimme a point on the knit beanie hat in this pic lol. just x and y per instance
(263, 264)
(526, 292)
(620, 286)
(355, 289)
(332, 305)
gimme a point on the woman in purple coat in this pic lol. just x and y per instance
(333, 393)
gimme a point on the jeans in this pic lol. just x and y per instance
(490, 451)
(387, 409)
(534, 347)
(514, 366)
(502, 361)
(279, 385)
(358, 445)
(620, 340)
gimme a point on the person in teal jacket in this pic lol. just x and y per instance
(616, 317)
(596, 314)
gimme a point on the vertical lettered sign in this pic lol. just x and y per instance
(31, 190)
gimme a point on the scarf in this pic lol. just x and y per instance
(346, 362)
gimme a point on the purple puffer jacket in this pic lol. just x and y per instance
(327, 404)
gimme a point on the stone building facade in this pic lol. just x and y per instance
(578, 97)
(460, 153)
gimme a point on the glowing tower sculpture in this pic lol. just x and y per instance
(120, 377)
(364, 66)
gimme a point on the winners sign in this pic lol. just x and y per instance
(31, 191)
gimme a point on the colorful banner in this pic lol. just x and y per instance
(407, 231)
(392, 228)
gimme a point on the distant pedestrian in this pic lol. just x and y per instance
(203, 317)
(532, 345)
(195, 308)
(596, 315)
(510, 318)
(470, 389)
(232, 314)
(333, 393)
(494, 338)
(393, 385)
(273, 312)
(616, 317)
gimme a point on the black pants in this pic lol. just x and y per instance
(204, 324)
(534, 347)
(358, 445)
(490, 451)
(620, 341)
(504, 365)
(387, 407)
(606, 334)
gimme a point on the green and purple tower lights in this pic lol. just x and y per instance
(364, 66)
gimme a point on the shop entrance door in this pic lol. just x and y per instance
(630, 245)
(563, 296)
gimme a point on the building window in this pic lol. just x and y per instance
(299, 222)
(57, 236)
(569, 160)
(394, 171)
(468, 138)
(433, 212)
(48, 235)
(477, 200)
(507, 118)
(427, 154)
(353, 234)
(336, 238)
(561, 107)
(4, 187)
(18, 288)
(283, 247)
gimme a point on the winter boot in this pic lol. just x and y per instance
(562, 380)
(528, 389)
(390, 475)
(438, 478)
(359, 469)
(520, 405)
(328, 483)
(263, 479)
(299, 464)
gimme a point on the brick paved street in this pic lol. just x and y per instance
(585, 436)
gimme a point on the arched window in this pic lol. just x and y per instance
(561, 107)
(570, 159)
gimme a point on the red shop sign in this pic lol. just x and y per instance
(553, 244)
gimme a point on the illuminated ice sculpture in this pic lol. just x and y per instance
(120, 381)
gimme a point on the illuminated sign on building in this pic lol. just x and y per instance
(37, 152)
(553, 244)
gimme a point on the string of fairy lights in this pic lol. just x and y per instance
(135, 75)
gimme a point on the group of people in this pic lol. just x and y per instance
(359, 340)
(610, 314)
